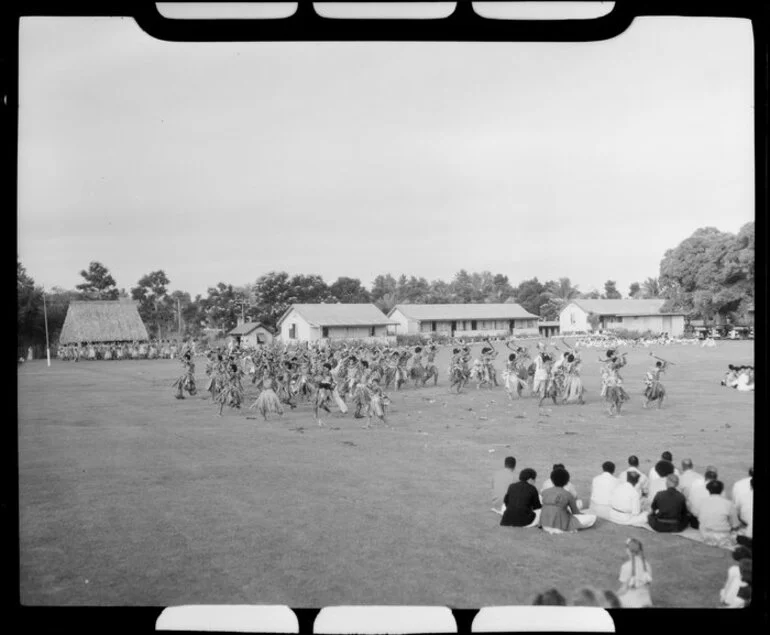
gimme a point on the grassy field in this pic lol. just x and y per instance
(130, 497)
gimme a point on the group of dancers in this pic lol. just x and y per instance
(97, 351)
(358, 376)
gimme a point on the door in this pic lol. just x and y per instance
(325, 331)
(454, 328)
(473, 325)
(433, 326)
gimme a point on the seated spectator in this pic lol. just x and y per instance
(687, 477)
(718, 517)
(744, 593)
(560, 512)
(743, 497)
(665, 456)
(626, 504)
(610, 600)
(669, 508)
(569, 486)
(601, 490)
(728, 595)
(501, 480)
(522, 502)
(635, 577)
(661, 470)
(745, 381)
(699, 493)
(551, 597)
(586, 596)
(643, 484)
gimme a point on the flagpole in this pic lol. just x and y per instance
(47, 345)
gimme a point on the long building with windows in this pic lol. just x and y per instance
(310, 322)
(634, 315)
(464, 319)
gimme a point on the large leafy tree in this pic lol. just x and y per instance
(349, 291)
(151, 292)
(635, 290)
(532, 294)
(651, 288)
(98, 283)
(440, 292)
(501, 289)
(382, 285)
(30, 326)
(462, 287)
(223, 306)
(710, 273)
(611, 291)
(276, 291)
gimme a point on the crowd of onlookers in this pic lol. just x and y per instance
(665, 500)
(739, 377)
(609, 341)
(98, 351)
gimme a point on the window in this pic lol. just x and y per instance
(325, 331)
(432, 326)
(293, 332)
(473, 325)
(571, 318)
(371, 332)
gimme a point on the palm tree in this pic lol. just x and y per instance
(563, 290)
(651, 288)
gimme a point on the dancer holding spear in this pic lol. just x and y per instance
(654, 390)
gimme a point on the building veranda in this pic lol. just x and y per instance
(466, 320)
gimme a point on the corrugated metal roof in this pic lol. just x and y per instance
(339, 314)
(624, 307)
(445, 312)
(102, 321)
(248, 327)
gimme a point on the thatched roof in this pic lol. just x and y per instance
(102, 321)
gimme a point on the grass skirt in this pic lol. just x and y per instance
(654, 391)
(616, 395)
(267, 403)
(376, 407)
(573, 388)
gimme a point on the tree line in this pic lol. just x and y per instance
(709, 274)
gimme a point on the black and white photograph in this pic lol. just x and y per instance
(439, 323)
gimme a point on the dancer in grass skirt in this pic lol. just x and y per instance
(186, 381)
(416, 370)
(573, 385)
(430, 370)
(612, 383)
(653, 388)
(550, 386)
(283, 386)
(514, 384)
(326, 394)
(215, 371)
(488, 356)
(402, 374)
(459, 372)
(231, 393)
(377, 402)
(267, 403)
(360, 392)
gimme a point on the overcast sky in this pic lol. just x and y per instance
(220, 162)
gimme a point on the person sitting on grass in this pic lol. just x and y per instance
(551, 597)
(698, 493)
(688, 477)
(660, 472)
(669, 508)
(569, 486)
(560, 512)
(501, 481)
(743, 497)
(643, 484)
(635, 578)
(718, 517)
(522, 503)
(601, 490)
(626, 504)
(728, 595)
(665, 456)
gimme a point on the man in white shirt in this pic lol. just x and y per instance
(602, 487)
(666, 456)
(743, 497)
(698, 493)
(688, 477)
(626, 504)
(643, 483)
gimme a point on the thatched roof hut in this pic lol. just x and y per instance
(102, 321)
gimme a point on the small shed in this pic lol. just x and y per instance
(549, 328)
(252, 334)
(103, 321)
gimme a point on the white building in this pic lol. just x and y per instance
(464, 319)
(251, 334)
(310, 322)
(634, 315)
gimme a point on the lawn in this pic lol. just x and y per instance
(130, 497)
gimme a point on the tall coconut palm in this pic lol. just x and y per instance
(651, 288)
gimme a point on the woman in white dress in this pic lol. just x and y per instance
(635, 578)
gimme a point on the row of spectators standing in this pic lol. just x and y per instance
(98, 351)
